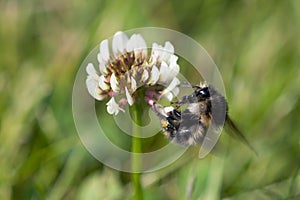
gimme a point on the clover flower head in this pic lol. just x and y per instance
(128, 67)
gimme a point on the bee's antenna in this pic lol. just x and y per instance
(188, 85)
(196, 86)
(185, 84)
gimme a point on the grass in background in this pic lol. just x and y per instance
(255, 45)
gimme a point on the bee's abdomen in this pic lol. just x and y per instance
(190, 131)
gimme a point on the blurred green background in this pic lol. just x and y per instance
(254, 43)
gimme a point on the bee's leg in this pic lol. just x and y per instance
(174, 115)
(188, 85)
(171, 130)
(173, 125)
(177, 113)
(176, 104)
(187, 99)
(184, 100)
(158, 109)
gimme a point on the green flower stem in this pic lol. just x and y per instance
(136, 148)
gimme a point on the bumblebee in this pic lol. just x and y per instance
(205, 108)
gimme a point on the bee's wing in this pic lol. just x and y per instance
(233, 131)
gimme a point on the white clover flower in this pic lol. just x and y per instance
(113, 107)
(128, 68)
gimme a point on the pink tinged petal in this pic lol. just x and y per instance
(102, 83)
(149, 101)
(113, 107)
(119, 43)
(90, 69)
(114, 83)
(122, 102)
(129, 97)
(145, 75)
(154, 76)
(93, 89)
(133, 84)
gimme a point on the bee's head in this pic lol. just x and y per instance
(202, 93)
